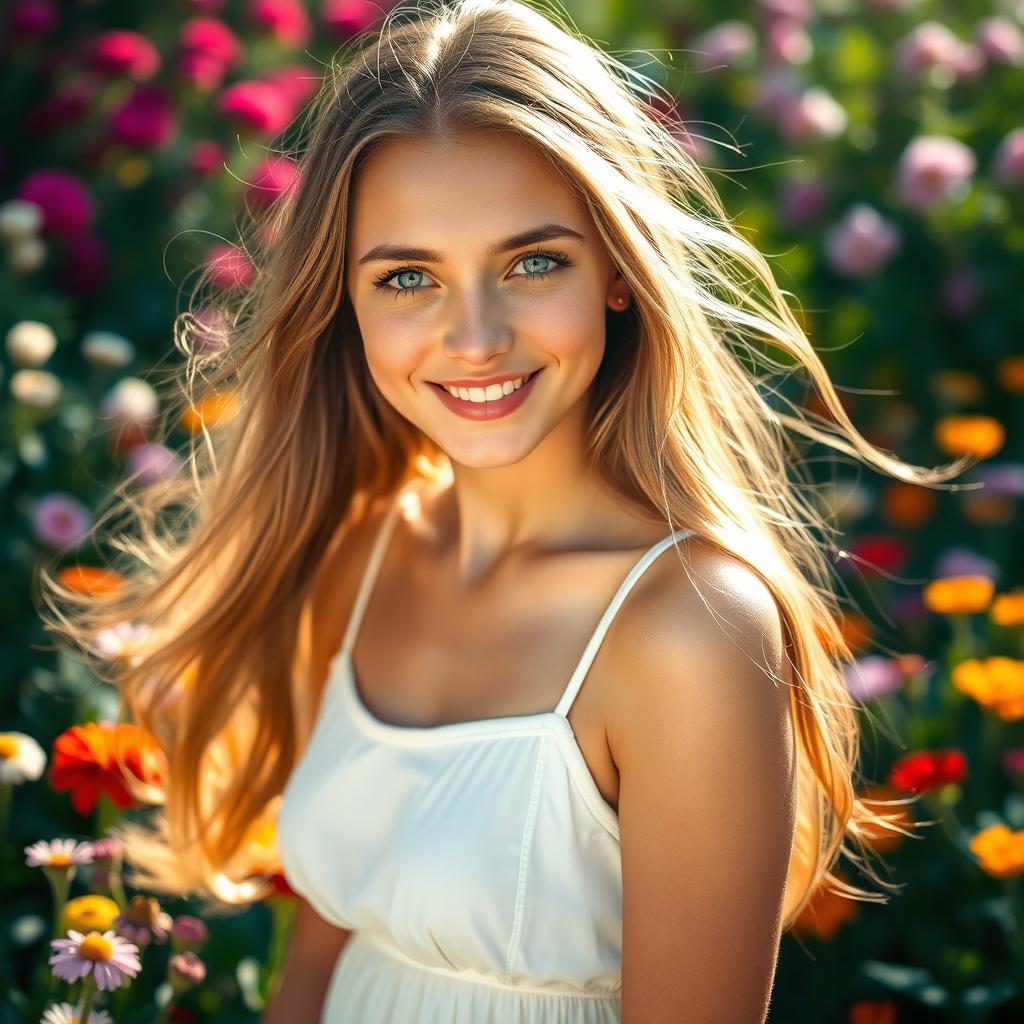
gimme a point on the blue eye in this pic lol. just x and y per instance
(561, 259)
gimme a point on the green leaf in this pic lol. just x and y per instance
(915, 982)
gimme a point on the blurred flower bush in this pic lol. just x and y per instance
(874, 151)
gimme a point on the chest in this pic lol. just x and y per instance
(425, 657)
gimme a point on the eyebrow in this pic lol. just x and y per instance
(398, 251)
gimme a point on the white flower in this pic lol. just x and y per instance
(104, 348)
(59, 853)
(27, 254)
(21, 758)
(121, 641)
(64, 1013)
(30, 343)
(130, 401)
(38, 389)
(20, 218)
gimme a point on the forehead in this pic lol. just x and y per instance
(480, 185)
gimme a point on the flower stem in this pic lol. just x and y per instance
(6, 789)
(88, 994)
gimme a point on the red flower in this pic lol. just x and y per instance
(85, 761)
(926, 769)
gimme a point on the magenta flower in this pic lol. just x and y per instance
(1000, 40)
(60, 521)
(862, 242)
(272, 178)
(109, 957)
(212, 37)
(934, 169)
(298, 81)
(286, 20)
(199, 69)
(349, 17)
(66, 106)
(67, 206)
(145, 119)
(83, 270)
(1012, 760)
(729, 44)
(255, 106)
(229, 266)
(150, 463)
(32, 19)
(1008, 163)
(123, 53)
(206, 157)
(803, 201)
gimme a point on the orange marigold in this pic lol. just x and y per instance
(85, 761)
(210, 412)
(980, 436)
(958, 595)
(1000, 851)
(90, 579)
(826, 913)
(1008, 609)
(996, 683)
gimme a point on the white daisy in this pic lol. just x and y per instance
(21, 758)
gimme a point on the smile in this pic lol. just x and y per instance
(478, 406)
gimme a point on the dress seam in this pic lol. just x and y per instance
(524, 863)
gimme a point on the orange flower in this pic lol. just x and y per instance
(1008, 609)
(856, 631)
(907, 505)
(85, 761)
(825, 913)
(959, 595)
(871, 1011)
(996, 683)
(980, 436)
(212, 411)
(1000, 851)
(89, 579)
(1010, 374)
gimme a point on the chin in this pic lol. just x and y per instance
(486, 453)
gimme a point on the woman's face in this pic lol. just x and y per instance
(477, 302)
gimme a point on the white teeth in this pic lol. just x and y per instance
(489, 394)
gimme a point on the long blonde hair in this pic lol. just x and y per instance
(221, 559)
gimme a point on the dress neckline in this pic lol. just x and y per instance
(342, 669)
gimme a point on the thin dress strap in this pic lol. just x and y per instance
(590, 651)
(372, 569)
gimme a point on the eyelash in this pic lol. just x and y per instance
(561, 258)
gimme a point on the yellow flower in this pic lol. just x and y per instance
(959, 595)
(89, 913)
(999, 850)
(980, 436)
(1008, 609)
(996, 683)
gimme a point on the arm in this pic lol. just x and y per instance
(314, 949)
(704, 745)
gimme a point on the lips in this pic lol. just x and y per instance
(487, 410)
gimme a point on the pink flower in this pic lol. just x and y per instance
(200, 69)
(349, 17)
(211, 36)
(143, 921)
(120, 52)
(815, 114)
(60, 521)
(275, 176)
(1012, 760)
(862, 242)
(145, 119)
(725, 45)
(1000, 40)
(298, 81)
(803, 201)
(65, 1013)
(788, 42)
(206, 157)
(121, 642)
(67, 206)
(929, 45)
(66, 106)
(934, 169)
(229, 266)
(872, 677)
(185, 970)
(188, 932)
(109, 957)
(210, 330)
(150, 463)
(255, 106)
(32, 19)
(286, 20)
(1008, 163)
(83, 269)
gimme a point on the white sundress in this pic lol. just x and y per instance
(476, 862)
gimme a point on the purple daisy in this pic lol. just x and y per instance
(109, 957)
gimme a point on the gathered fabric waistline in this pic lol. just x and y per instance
(383, 944)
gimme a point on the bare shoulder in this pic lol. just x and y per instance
(701, 734)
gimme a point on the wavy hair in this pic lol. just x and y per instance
(685, 418)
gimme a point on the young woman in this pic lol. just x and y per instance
(496, 589)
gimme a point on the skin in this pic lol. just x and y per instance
(684, 719)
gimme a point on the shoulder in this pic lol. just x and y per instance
(701, 734)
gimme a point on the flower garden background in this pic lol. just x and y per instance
(874, 149)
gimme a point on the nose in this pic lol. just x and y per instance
(478, 331)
